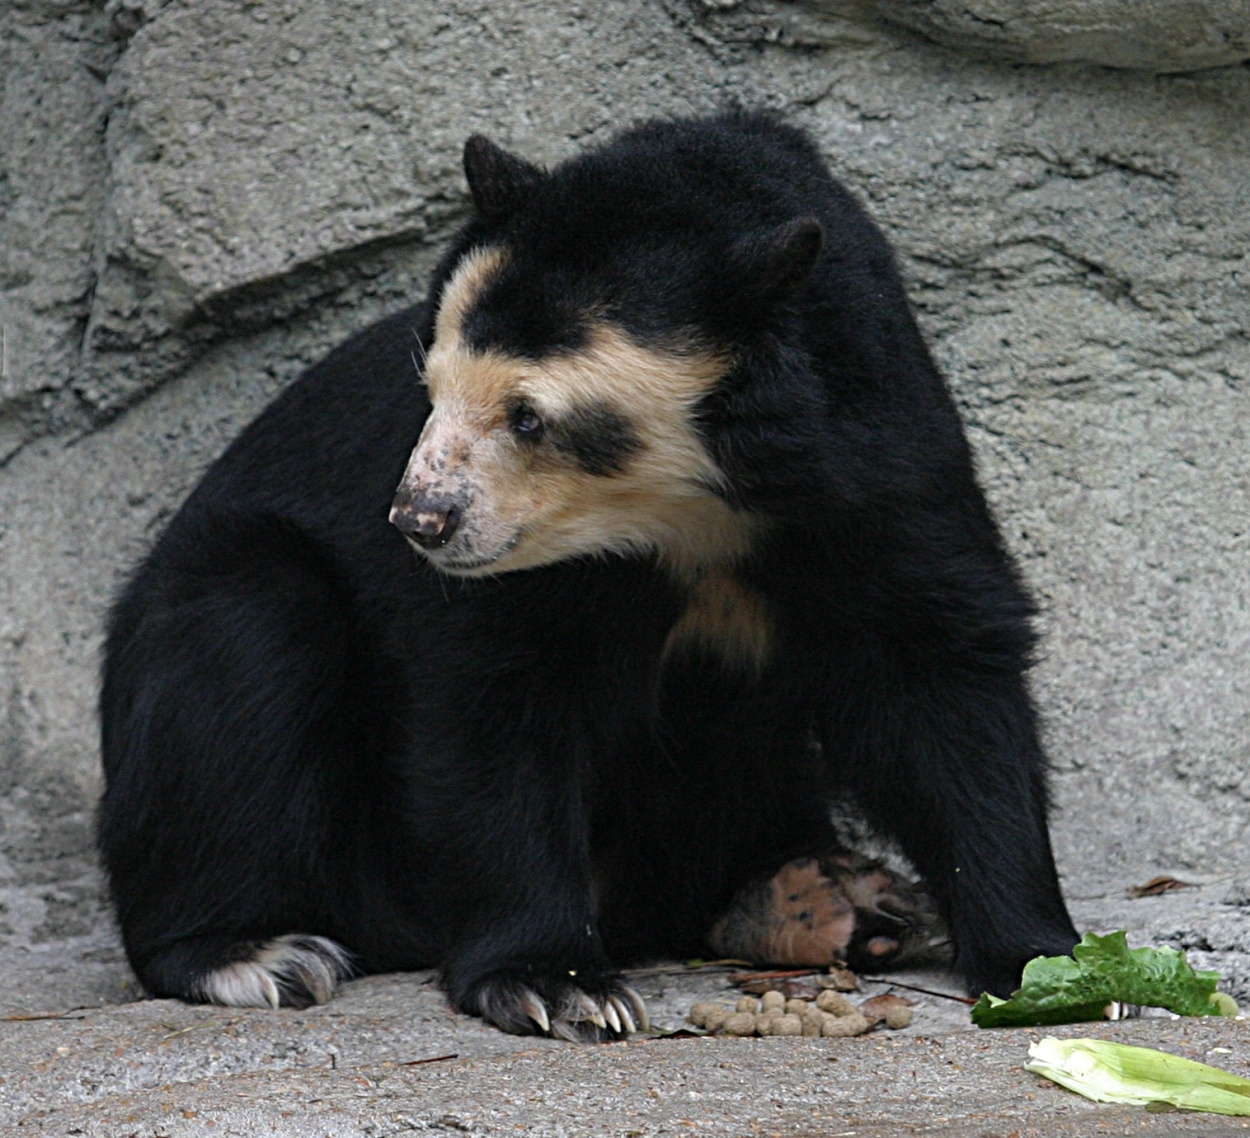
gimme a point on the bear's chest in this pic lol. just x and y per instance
(726, 617)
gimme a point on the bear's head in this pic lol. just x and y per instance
(577, 341)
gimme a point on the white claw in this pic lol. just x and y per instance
(627, 1021)
(587, 1009)
(533, 1007)
(610, 1016)
(640, 1009)
(563, 1029)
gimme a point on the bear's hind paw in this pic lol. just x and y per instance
(818, 912)
(896, 921)
(296, 971)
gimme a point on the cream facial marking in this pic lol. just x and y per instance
(590, 451)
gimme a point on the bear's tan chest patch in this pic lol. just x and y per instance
(725, 617)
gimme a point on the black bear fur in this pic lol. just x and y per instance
(310, 732)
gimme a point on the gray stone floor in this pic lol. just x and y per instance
(388, 1058)
(80, 1054)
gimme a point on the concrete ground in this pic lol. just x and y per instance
(388, 1058)
(81, 1055)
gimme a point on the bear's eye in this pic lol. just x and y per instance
(526, 423)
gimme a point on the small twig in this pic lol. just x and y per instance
(747, 977)
(917, 988)
(184, 1030)
(28, 1018)
(684, 967)
(32, 1018)
(432, 1059)
(1157, 886)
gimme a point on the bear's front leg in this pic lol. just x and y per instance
(525, 951)
(948, 762)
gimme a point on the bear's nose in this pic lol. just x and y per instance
(427, 521)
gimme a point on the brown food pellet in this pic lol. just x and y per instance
(874, 1010)
(748, 1004)
(834, 1003)
(788, 1025)
(796, 1007)
(843, 979)
(771, 1001)
(811, 1030)
(765, 1023)
(740, 1023)
(699, 1012)
(837, 1027)
(898, 1017)
(715, 1017)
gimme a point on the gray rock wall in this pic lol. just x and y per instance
(1151, 35)
(196, 200)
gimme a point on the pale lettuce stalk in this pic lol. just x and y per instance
(1114, 1072)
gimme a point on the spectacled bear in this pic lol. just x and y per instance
(686, 545)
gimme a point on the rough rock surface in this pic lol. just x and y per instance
(53, 184)
(196, 200)
(1153, 35)
(387, 1061)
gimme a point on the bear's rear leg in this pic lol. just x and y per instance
(285, 971)
(841, 908)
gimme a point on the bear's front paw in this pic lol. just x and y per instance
(555, 1004)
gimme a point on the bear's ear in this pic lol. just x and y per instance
(772, 265)
(498, 181)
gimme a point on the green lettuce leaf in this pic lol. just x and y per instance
(1100, 971)
(1115, 1072)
